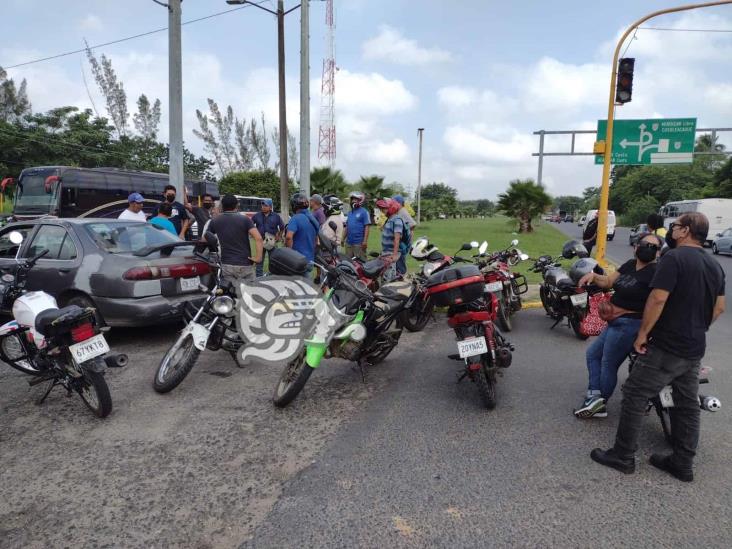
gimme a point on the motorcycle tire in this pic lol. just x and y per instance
(486, 388)
(93, 390)
(415, 319)
(379, 356)
(292, 380)
(665, 419)
(174, 367)
(504, 316)
(575, 321)
(545, 301)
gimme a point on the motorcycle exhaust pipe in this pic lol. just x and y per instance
(118, 360)
(504, 357)
(709, 403)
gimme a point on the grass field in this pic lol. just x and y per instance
(449, 235)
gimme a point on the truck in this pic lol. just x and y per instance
(717, 210)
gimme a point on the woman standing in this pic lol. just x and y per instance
(631, 285)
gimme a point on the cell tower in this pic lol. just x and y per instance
(327, 133)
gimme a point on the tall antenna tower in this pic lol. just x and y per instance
(327, 133)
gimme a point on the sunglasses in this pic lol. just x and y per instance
(672, 226)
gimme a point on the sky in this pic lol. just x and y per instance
(479, 75)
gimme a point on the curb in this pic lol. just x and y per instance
(531, 305)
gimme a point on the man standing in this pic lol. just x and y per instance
(655, 225)
(134, 209)
(302, 229)
(162, 220)
(202, 214)
(687, 296)
(233, 231)
(179, 217)
(270, 227)
(393, 229)
(357, 227)
(589, 234)
(316, 208)
(406, 242)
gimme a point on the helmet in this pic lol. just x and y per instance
(332, 204)
(391, 206)
(572, 248)
(299, 201)
(357, 198)
(422, 248)
(581, 268)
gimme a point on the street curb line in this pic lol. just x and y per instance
(531, 305)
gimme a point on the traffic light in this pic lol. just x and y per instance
(624, 87)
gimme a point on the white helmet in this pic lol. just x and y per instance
(422, 248)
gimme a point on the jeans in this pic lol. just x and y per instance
(401, 264)
(235, 273)
(355, 250)
(608, 352)
(260, 266)
(651, 373)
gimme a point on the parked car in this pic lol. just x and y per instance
(581, 222)
(635, 233)
(722, 244)
(568, 219)
(133, 273)
(556, 219)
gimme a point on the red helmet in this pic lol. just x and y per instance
(391, 206)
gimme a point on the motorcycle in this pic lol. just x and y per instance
(471, 314)
(560, 293)
(664, 401)
(59, 346)
(211, 324)
(367, 330)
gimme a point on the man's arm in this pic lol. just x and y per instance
(719, 307)
(289, 239)
(254, 233)
(654, 307)
(365, 242)
(395, 253)
(184, 227)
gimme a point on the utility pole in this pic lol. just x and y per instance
(284, 182)
(305, 97)
(420, 131)
(175, 101)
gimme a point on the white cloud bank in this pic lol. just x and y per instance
(392, 47)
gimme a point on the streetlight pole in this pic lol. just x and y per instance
(305, 97)
(420, 131)
(175, 101)
(608, 149)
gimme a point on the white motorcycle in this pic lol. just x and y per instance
(57, 346)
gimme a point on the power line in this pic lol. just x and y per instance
(60, 141)
(629, 43)
(684, 30)
(141, 35)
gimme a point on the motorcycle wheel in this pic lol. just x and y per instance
(663, 416)
(486, 388)
(12, 347)
(176, 364)
(94, 391)
(545, 301)
(292, 381)
(504, 316)
(416, 319)
(379, 356)
(575, 321)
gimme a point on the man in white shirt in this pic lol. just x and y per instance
(134, 211)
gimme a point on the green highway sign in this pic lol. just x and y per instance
(654, 141)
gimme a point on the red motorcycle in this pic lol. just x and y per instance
(471, 314)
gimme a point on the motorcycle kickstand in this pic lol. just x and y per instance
(48, 392)
(557, 322)
(361, 363)
(462, 374)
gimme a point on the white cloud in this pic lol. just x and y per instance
(91, 22)
(392, 153)
(389, 45)
(469, 145)
(372, 94)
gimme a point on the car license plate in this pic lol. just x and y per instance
(472, 347)
(494, 287)
(91, 348)
(189, 284)
(579, 300)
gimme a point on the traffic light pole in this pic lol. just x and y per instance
(608, 150)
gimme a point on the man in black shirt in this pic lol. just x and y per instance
(203, 214)
(687, 296)
(179, 219)
(233, 231)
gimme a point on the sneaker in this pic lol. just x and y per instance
(609, 458)
(593, 406)
(665, 463)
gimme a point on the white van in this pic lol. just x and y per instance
(592, 214)
(717, 210)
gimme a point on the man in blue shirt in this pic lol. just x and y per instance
(357, 227)
(162, 220)
(302, 230)
(270, 226)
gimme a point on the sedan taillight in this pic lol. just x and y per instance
(185, 270)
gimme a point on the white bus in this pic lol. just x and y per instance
(717, 210)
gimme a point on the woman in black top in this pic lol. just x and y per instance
(631, 285)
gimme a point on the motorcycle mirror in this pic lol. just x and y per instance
(16, 237)
(483, 247)
(514, 242)
(470, 246)
(524, 257)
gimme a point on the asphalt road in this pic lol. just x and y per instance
(408, 458)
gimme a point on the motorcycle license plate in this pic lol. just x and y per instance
(472, 347)
(189, 284)
(91, 348)
(579, 300)
(494, 287)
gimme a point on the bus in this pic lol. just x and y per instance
(717, 210)
(249, 205)
(63, 191)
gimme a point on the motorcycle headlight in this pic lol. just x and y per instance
(9, 278)
(222, 305)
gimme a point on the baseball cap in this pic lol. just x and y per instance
(267, 202)
(135, 197)
(399, 199)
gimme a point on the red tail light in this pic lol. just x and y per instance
(168, 271)
(82, 332)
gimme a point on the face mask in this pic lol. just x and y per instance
(170, 197)
(208, 205)
(646, 252)
(670, 240)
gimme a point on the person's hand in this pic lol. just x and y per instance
(257, 259)
(394, 257)
(587, 279)
(641, 343)
(364, 245)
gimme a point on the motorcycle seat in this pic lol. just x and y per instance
(47, 317)
(395, 291)
(373, 268)
(565, 284)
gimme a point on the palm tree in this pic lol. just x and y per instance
(371, 186)
(707, 143)
(524, 200)
(324, 180)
